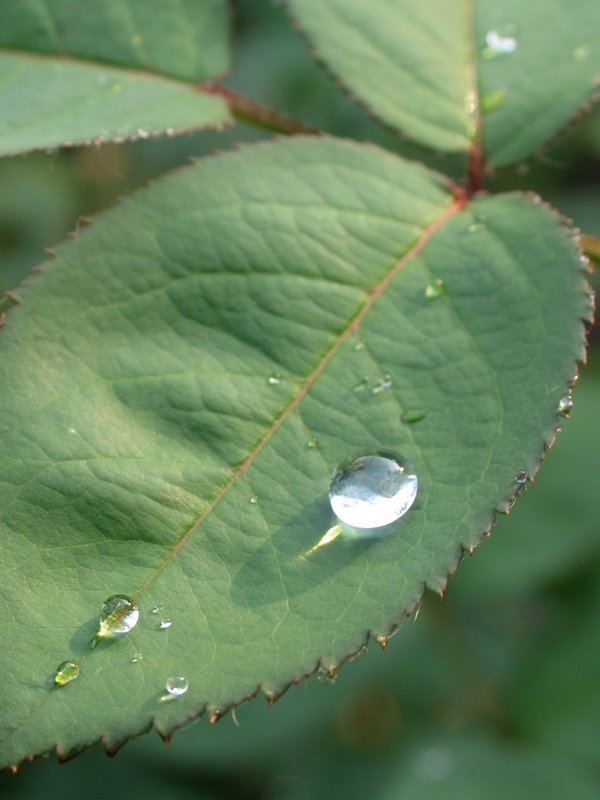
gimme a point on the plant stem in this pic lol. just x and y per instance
(255, 114)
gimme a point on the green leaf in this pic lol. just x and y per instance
(123, 71)
(174, 363)
(503, 76)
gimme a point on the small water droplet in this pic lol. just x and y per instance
(581, 53)
(470, 102)
(66, 672)
(118, 615)
(312, 442)
(72, 431)
(326, 676)
(359, 346)
(492, 100)
(177, 685)
(435, 288)
(565, 404)
(274, 379)
(372, 490)
(165, 623)
(412, 415)
(136, 658)
(361, 385)
(157, 609)
(382, 384)
(500, 41)
(254, 499)
(364, 650)
(521, 476)
(143, 134)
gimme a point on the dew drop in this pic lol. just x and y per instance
(520, 476)
(500, 41)
(143, 134)
(359, 346)
(165, 623)
(412, 415)
(565, 404)
(382, 384)
(492, 100)
(326, 677)
(435, 289)
(118, 615)
(66, 672)
(274, 379)
(312, 442)
(372, 490)
(361, 385)
(157, 609)
(176, 685)
(254, 499)
(136, 658)
(581, 53)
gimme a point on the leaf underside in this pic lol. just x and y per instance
(70, 73)
(428, 70)
(144, 450)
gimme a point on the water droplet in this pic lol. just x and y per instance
(136, 658)
(157, 609)
(364, 650)
(274, 379)
(326, 676)
(176, 685)
(500, 41)
(565, 404)
(471, 102)
(581, 53)
(412, 415)
(312, 442)
(66, 672)
(372, 490)
(72, 431)
(165, 623)
(143, 134)
(382, 384)
(359, 346)
(118, 615)
(520, 476)
(361, 385)
(254, 499)
(435, 289)
(493, 99)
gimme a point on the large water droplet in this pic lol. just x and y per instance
(372, 490)
(66, 672)
(118, 615)
(164, 624)
(500, 41)
(177, 685)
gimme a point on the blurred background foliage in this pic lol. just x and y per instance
(493, 691)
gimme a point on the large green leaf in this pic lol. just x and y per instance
(179, 383)
(500, 73)
(70, 72)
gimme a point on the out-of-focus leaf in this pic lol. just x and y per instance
(73, 73)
